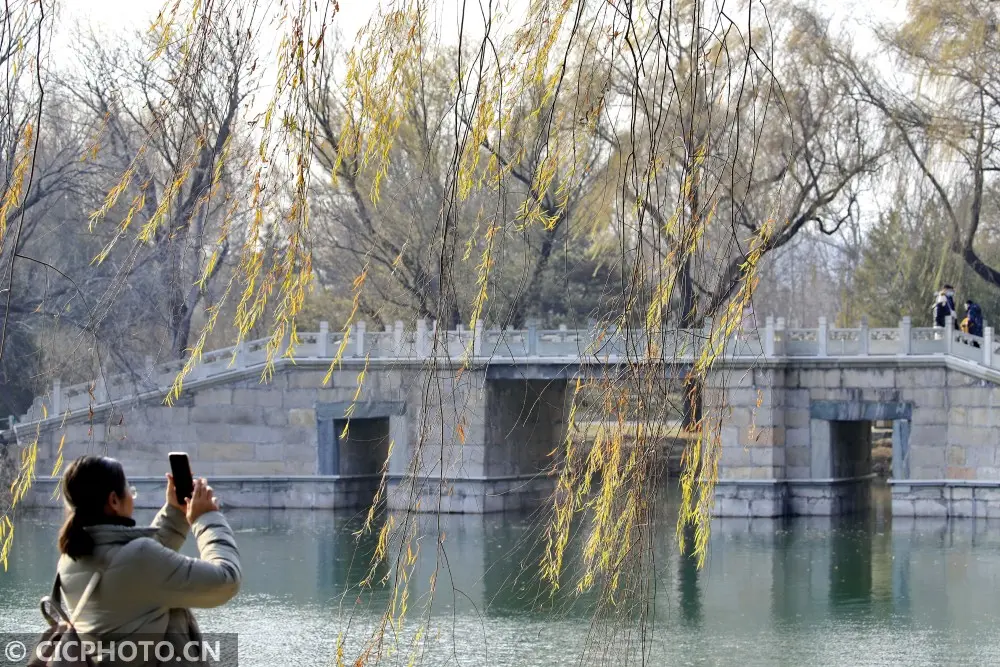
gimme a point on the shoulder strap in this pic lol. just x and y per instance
(54, 601)
(87, 592)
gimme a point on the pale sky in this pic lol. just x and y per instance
(116, 15)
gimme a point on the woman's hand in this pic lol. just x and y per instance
(172, 495)
(202, 500)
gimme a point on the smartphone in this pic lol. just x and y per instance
(180, 468)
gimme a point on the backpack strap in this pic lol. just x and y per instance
(52, 605)
(87, 592)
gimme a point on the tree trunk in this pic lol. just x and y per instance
(180, 325)
(178, 311)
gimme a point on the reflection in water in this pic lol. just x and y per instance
(849, 591)
(850, 564)
(690, 597)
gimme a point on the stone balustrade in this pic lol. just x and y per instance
(396, 344)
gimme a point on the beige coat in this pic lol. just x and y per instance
(146, 586)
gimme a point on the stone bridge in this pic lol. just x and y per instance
(796, 406)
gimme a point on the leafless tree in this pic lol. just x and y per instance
(166, 124)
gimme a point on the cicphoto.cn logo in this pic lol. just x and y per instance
(121, 652)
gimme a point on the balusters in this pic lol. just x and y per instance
(241, 355)
(383, 342)
(323, 340)
(286, 341)
(769, 336)
(100, 389)
(531, 343)
(359, 343)
(421, 343)
(397, 339)
(56, 396)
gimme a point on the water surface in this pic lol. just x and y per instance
(864, 590)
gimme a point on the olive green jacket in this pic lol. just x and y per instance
(146, 586)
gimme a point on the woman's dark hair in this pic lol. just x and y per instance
(86, 485)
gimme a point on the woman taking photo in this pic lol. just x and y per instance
(144, 587)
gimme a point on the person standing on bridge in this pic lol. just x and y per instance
(942, 310)
(949, 293)
(973, 322)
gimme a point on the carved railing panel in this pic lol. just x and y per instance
(518, 346)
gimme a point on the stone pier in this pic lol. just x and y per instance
(796, 437)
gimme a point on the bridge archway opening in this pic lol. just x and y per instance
(353, 439)
(360, 446)
(842, 442)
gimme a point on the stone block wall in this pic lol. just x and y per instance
(464, 443)
(469, 496)
(446, 424)
(778, 424)
(753, 428)
(980, 500)
(954, 431)
(236, 427)
(509, 427)
(973, 433)
(272, 492)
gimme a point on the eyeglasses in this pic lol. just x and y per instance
(133, 492)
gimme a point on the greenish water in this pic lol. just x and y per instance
(851, 591)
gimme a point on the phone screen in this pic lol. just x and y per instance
(180, 468)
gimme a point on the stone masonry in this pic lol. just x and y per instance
(796, 437)
(460, 442)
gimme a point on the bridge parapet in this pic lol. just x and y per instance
(426, 343)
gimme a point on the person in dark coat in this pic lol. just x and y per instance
(941, 310)
(949, 293)
(974, 318)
